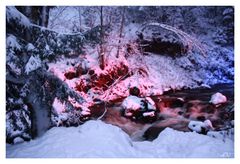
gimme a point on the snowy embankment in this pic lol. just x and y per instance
(98, 139)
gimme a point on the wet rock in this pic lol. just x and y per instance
(170, 102)
(208, 109)
(153, 132)
(75, 72)
(115, 117)
(178, 124)
(70, 74)
(97, 109)
(201, 118)
(134, 91)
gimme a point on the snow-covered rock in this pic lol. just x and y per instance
(137, 108)
(132, 103)
(151, 104)
(33, 63)
(98, 139)
(200, 127)
(151, 114)
(18, 140)
(218, 98)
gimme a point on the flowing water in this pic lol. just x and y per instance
(176, 109)
(204, 94)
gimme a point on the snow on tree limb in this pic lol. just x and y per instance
(12, 42)
(33, 63)
(188, 41)
(51, 30)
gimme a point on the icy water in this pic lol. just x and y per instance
(176, 114)
(204, 94)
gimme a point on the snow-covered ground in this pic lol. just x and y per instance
(98, 139)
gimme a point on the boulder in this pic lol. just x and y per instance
(218, 99)
(141, 109)
(134, 91)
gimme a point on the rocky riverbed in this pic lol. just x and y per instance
(176, 110)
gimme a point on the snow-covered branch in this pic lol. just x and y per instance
(189, 42)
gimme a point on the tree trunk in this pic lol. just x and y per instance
(28, 11)
(121, 30)
(80, 19)
(102, 64)
(44, 16)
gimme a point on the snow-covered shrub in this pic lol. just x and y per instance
(13, 57)
(18, 120)
(102, 79)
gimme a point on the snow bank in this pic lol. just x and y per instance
(93, 139)
(222, 134)
(172, 143)
(98, 139)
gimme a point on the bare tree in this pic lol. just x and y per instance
(101, 56)
(44, 16)
(80, 18)
(56, 16)
(121, 30)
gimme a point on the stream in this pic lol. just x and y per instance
(177, 114)
(204, 94)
